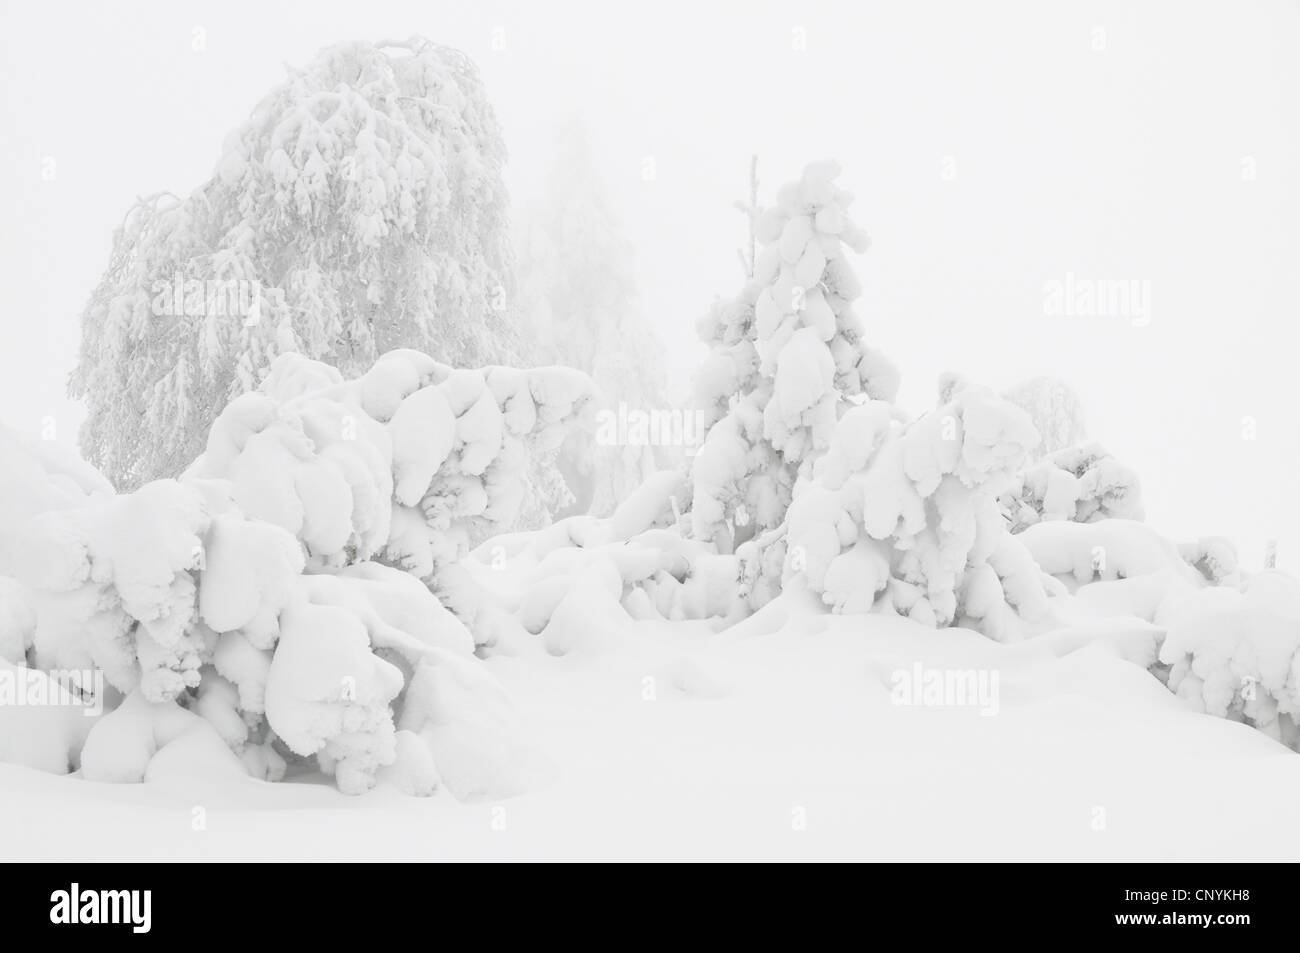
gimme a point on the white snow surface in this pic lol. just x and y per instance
(779, 739)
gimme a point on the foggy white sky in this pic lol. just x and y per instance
(1119, 163)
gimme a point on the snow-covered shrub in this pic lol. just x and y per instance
(244, 597)
(1236, 653)
(580, 583)
(114, 586)
(409, 463)
(1081, 483)
(786, 358)
(187, 606)
(904, 517)
(36, 477)
(360, 208)
(168, 590)
(1226, 642)
(1085, 485)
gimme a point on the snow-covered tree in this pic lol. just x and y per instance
(1056, 410)
(360, 208)
(1234, 652)
(817, 480)
(904, 516)
(273, 603)
(787, 358)
(411, 463)
(1082, 483)
(580, 309)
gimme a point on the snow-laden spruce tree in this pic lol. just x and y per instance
(580, 309)
(904, 516)
(817, 480)
(358, 209)
(1056, 410)
(208, 634)
(787, 358)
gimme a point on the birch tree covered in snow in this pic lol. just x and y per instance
(359, 208)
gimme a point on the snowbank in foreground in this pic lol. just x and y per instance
(802, 749)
